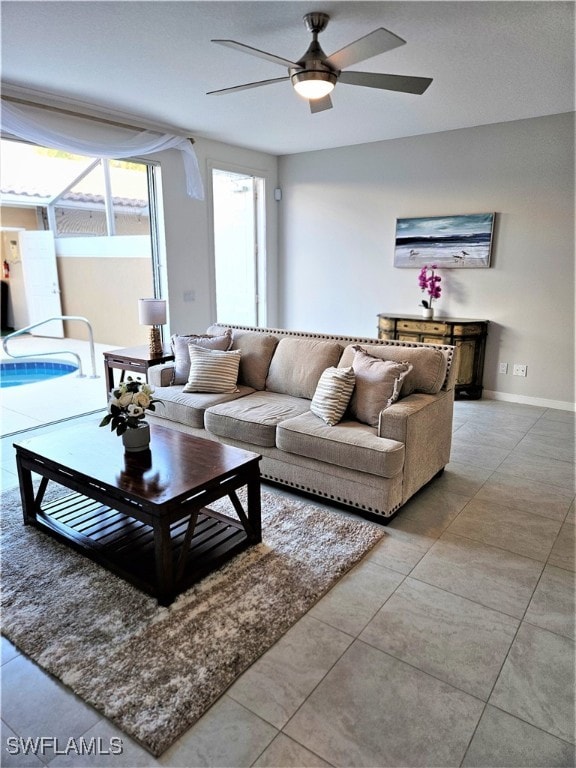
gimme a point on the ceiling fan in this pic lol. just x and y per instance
(315, 74)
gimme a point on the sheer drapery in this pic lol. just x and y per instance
(118, 144)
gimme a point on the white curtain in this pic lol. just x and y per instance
(119, 143)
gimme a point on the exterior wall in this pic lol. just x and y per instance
(98, 281)
(106, 292)
(23, 218)
(337, 231)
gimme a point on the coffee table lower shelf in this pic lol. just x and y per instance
(126, 546)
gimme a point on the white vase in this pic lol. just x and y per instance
(137, 439)
(427, 312)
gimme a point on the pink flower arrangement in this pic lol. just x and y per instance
(429, 281)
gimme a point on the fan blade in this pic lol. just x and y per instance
(402, 83)
(378, 41)
(319, 105)
(256, 52)
(246, 86)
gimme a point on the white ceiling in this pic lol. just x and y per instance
(491, 62)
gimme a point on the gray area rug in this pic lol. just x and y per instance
(154, 671)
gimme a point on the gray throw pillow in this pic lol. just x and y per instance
(180, 344)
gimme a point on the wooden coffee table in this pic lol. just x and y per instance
(143, 516)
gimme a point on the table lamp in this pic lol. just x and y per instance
(152, 312)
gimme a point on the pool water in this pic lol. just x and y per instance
(14, 374)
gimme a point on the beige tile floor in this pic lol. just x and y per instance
(450, 644)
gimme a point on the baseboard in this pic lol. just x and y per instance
(542, 402)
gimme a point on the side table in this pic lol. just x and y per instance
(137, 359)
(469, 336)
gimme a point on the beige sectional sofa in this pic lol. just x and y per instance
(375, 464)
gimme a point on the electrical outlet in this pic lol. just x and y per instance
(519, 369)
(503, 368)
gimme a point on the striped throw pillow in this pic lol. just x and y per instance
(212, 370)
(333, 394)
(180, 346)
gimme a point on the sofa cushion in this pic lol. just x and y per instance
(348, 444)
(257, 350)
(428, 365)
(333, 394)
(378, 384)
(188, 409)
(253, 419)
(298, 364)
(212, 370)
(182, 356)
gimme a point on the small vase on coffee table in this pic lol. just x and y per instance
(137, 439)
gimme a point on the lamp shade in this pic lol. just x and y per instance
(151, 311)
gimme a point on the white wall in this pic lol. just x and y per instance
(337, 226)
(189, 238)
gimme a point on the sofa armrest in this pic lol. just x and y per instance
(424, 424)
(161, 375)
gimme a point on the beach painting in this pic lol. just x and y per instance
(448, 241)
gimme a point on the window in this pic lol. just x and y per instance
(239, 250)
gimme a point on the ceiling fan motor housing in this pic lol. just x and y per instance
(313, 65)
(316, 22)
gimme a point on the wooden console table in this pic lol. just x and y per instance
(469, 336)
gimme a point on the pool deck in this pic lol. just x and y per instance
(47, 405)
(32, 405)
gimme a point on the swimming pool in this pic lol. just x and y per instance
(14, 374)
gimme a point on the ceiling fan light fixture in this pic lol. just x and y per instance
(312, 84)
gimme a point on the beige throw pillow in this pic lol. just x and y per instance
(212, 370)
(378, 385)
(333, 394)
(298, 363)
(182, 355)
(257, 350)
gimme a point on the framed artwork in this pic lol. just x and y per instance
(462, 242)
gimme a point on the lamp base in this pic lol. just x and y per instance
(155, 341)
